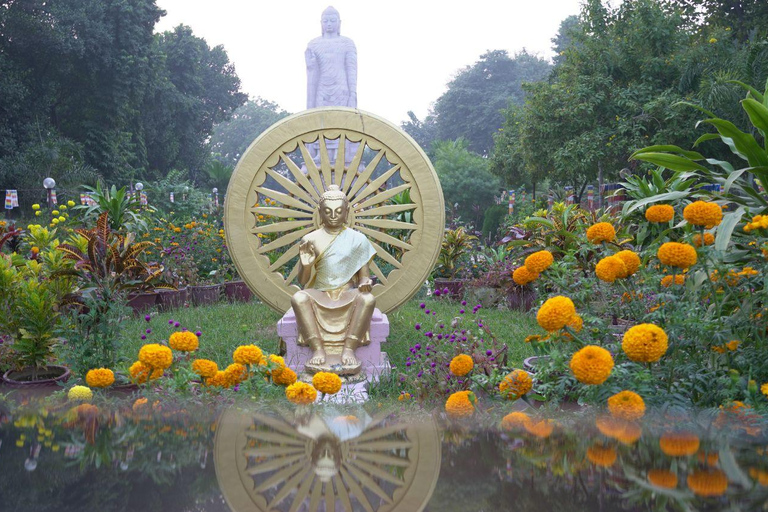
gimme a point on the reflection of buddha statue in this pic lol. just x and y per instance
(334, 310)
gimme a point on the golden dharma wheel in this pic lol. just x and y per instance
(394, 195)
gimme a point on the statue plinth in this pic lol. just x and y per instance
(374, 362)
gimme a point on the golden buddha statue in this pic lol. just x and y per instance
(334, 310)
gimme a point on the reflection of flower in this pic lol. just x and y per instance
(677, 255)
(679, 444)
(183, 341)
(660, 213)
(539, 261)
(139, 404)
(80, 394)
(555, 313)
(708, 482)
(645, 343)
(205, 368)
(626, 405)
(601, 232)
(156, 356)
(460, 404)
(601, 455)
(301, 393)
(100, 378)
(592, 365)
(662, 478)
(247, 354)
(461, 365)
(702, 213)
(515, 384)
(326, 382)
(514, 420)
(542, 428)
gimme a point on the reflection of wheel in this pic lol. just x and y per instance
(278, 463)
(394, 194)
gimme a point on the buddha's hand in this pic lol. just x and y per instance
(365, 285)
(307, 253)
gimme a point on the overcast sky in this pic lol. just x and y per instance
(407, 50)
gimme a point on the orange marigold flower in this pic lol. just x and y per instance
(709, 239)
(679, 280)
(764, 389)
(247, 354)
(679, 444)
(660, 213)
(183, 341)
(300, 393)
(460, 404)
(514, 420)
(156, 356)
(732, 345)
(140, 372)
(663, 478)
(626, 405)
(542, 428)
(522, 276)
(702, 213)
(645, 343)
(140, 404)
(576, 323)
(708, 482)
(601, 232)
(220, 379)
(100, 378)
(326, 382)
(516, 384)
(592, 365)
(539, 261)
(285, 377)
(677, 255)
(205, 368)
(404, 396)
(461, 365)
(236, 373)
(631, 261)
(610, 268)
(601, 455)
(759, 475)
(555, 313)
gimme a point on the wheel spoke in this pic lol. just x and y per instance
(380, 211)
(279, 227)
(366, 174)
(374, 186)
(299, 176)
(353, 167)
(338, 170)
(378, 273)
(290, 186)
(385, 238)
(325, 164)
(309, 163)
(285, 199)
(387, 224)
(381, 253)
(284, 240)
(383, 196)
(282, 213)
(285, 258)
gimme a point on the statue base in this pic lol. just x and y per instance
(373, 362)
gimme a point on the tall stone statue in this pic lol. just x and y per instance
(331, 66)
(334, 310)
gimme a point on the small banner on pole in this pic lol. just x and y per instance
(143, 198)
(9, 199)
(171, 197)
(53, 197)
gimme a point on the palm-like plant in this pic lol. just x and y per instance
(123, 210)
(456, 243)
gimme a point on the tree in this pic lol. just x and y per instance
(232, 137)
(564, 39)
(472, 106)
(423, 132)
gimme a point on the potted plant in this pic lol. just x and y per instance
(455, 246)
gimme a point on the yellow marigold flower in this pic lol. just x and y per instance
(326, 382)
(601, 455)
(301, 393)
(576, 324)
(542, 428)
(140, 372)
(276, 360)
(516, 384)
(35, 206)
(601, 232)
(460, 404)
(592, 365)
(220, 379)
(70, 203)
(732, 345)
(679, 444)
(663, 478)
(284, 377)
(404, 396)
(555, 313)
(666, 281)
(764, 389)
(100, 378)
(535, 337)
(610, 268)
(139, 404)
(660, 213)
(522, 276)
(702, 213)
(645, 343)
(539, 261)
(631, 261)
(205, 368)
(236, 373)
(247, 354)
(677, 255)
(514, 420)
(759, 475)
(626, 405)
(709, 239)
(461, 365)
(183, 341)
(156, 356)
(80, 394)
(707, 482)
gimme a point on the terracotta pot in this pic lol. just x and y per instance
(171, 299)
(455, 287)
(202, 295)
(51, 376)
(237, 291)
(141, 302)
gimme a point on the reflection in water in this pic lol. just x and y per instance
(341, 459)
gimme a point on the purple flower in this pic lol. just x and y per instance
(479, 324)
(198, 333)
(427, 311)
(422, 305)
(143, 336)
(463, 338)
(446, 291)
(488, 352)
(463, 303)
(149, 331)
(437, 293)
(432, 365)
(147, 318)
(408, 363)
(170, 322)
(442, 326)
(492, 359)
(428, 334)
(176, 324)
(439, 336)
(236, 388)
(402, 379)
(420, 374)
(434, 313)
(418, 346)
(418, 326)
(461, 311)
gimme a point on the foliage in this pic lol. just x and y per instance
(123, 210)
(492, 220)
(455, 246)
(423, 132)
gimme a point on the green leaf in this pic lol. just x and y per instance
(722, 164)
(668, 196)
(742, 144)
(749, 88)
(697, 107)
(693, 155)
(674, 162)
(706, 137)
(725, 230)
(733, 177)
(757, 113)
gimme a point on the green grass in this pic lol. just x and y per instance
(224, 326)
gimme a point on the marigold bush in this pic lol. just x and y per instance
(660, 213)
(555, 313)
(301, 393)
(326, 382)
(156, 356)
(703, 213)
(219, 379)
(100, 378)
(247, 354)
(516, 384)
(675, 254)
(205, 368)
(645, 343)
(522, 276)
(284, 376)
(601, 232)
(592, 365)
(183, 341)
(610, 268)
(236, 373)
(626, 405)
(461, 365)
(539, 261)
(460, 404)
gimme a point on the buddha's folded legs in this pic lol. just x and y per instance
(308, 327)
(359, 324)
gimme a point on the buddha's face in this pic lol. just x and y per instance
(333, 212)
(330, 23)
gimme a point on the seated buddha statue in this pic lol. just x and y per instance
(334, 309)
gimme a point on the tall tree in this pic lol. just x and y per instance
(232, 137)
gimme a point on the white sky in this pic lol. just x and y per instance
(407, 50)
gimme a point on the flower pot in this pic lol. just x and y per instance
(203, 295)
(237, 291)
(455, 287)
(50, 376)
(171, 299)
(141, 302)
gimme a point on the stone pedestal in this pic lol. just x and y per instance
(375, 362)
